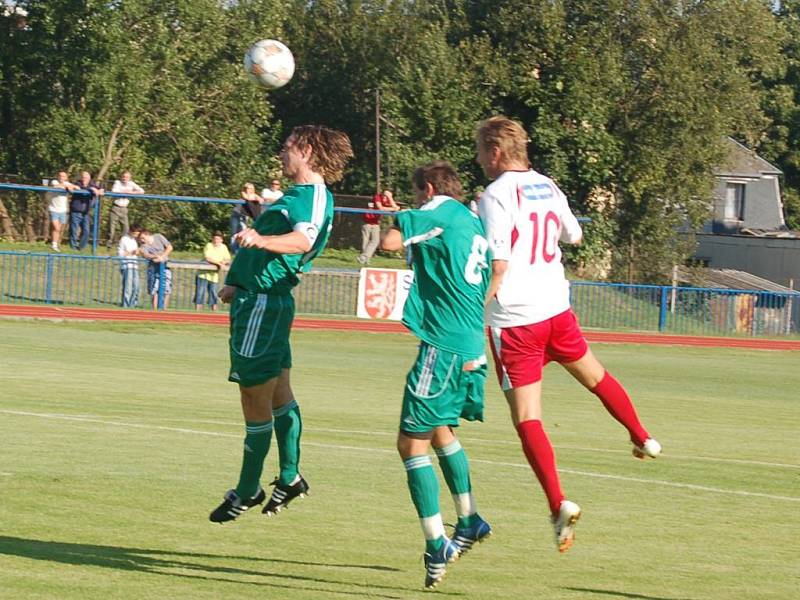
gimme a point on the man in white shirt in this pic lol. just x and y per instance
(128, 251)
(528, 308)
(57, 205)
(119, 208)
(273, 192)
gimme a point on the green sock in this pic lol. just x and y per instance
(288, 427)
(424, 488)
(256, 446)
(455, 468)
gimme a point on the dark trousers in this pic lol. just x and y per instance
(82, 222)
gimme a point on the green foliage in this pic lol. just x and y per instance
(781, 141)
(628, 98)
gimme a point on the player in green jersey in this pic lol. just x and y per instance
(444, 310)
(280, 245)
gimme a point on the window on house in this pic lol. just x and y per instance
(733, 209)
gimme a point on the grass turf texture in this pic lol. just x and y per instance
(132, 435)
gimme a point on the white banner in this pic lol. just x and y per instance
(382, 293)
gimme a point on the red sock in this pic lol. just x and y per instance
(539, 452)
(619, 405)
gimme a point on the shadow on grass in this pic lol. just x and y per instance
(176, 564)
(620, 594)
(31, 299)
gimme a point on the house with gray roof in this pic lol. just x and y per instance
(747, 194)
(747, 231)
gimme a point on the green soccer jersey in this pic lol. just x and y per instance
(451, 275)
(307, 208)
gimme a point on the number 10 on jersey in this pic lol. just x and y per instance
(550, 228)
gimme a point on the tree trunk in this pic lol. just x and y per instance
(30, 234)
(109, 156)
(44, 225)
(9, 231)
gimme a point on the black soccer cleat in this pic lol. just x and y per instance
(283, 494)
(233, 506)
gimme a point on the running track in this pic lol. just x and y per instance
(106, 314)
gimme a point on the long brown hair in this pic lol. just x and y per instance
(330, 149)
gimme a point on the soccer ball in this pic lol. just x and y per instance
(269, 63)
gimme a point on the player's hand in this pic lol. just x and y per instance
(226, 293)
(249, 238)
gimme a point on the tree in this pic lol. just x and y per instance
(155, 87)
(781, 144)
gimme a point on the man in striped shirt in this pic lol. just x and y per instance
(284, 239)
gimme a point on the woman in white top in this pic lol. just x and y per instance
(57, 207)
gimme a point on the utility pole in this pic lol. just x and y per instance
(377, 140)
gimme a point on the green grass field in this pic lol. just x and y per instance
(117, 440)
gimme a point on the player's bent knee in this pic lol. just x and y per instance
(412, 443)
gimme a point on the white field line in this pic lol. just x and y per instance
(581, 448)
(688, 486)
(670, 456)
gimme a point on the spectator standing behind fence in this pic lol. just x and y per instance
(80, 210)
(128, 250)
(57, 205)
(273, 192)
(156, 249)
(119, 208)
(371, 229)
(244, 213)
(215, 253)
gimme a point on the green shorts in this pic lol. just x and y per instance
(441, 388)
(259, 344)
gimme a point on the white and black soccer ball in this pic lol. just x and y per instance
(269, 63)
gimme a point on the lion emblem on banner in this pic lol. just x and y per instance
(380, 293)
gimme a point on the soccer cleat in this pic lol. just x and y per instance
(436, 563)
(283, 494)
(466, 537)
(564, 524)
(650, 449)
(233, 506)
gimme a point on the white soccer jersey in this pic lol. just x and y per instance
(525, 216)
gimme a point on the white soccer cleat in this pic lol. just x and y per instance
(564, 524)
(650, 449)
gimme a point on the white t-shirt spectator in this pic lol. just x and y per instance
(525, 216)
(57, 200)
(125, 188)
(270, 196)
(127, 250)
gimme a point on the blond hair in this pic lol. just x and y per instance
(506, 135)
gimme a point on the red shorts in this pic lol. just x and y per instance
(521, 352)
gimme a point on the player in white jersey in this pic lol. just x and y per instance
(528, 310)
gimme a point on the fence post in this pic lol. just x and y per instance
(48, 288)
(96, 223)
(662, 314)
(162, 276)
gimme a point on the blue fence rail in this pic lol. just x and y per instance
(80, 280)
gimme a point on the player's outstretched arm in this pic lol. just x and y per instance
(392, 240)
(294, 242)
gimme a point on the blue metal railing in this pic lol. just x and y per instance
(688, 310)
(163, 197)
(80, 280)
